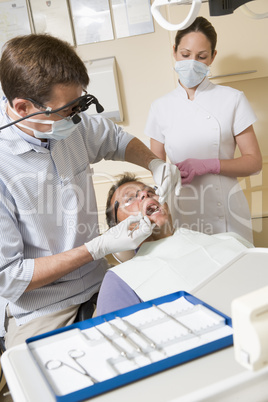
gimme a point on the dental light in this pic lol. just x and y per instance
(216, 8)
(193, 13)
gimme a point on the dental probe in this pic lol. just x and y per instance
(123, 335)
(132, 230)
(142, 335)
(174, 319)
(163, 175)
(114, 344)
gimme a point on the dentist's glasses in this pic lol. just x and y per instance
(79, 105)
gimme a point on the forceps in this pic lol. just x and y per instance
(75, 354)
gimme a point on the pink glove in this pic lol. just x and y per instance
(190, 168)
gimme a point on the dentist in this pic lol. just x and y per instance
(48, 266)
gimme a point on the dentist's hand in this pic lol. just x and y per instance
(120, 238)
(190, 168)
(171, 179)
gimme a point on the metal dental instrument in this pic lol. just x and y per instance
(174, 319)
(132, 230)
(75, 354)
(124, 335)
(114, 344)
(142, 335)
(163, 175)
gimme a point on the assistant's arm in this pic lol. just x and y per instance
(249, 162)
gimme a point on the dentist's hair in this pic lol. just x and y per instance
(32, 65)
(202, 25)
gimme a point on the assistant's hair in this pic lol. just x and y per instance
(202, 25)
(31, 65)
(122, 179)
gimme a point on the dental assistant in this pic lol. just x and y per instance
(198, 126)
(51, 254)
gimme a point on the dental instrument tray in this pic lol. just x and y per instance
(94, 356)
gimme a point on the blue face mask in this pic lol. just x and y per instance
(60, 129)
(191, 72)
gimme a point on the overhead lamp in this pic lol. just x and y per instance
(216, 8)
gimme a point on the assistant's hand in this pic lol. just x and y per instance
(190, 168)
(118, 238)
(171, 178)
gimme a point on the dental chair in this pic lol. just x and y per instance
(87, 309)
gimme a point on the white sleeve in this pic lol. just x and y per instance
(244, 115)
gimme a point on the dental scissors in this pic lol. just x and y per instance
(74, 354)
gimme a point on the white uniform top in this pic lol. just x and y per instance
(204, 128)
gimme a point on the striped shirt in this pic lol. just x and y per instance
(47, 206)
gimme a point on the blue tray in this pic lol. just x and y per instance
(149, 369)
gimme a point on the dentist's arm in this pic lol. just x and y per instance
(51, 268)
(138, 153)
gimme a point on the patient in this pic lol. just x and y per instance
(169, 260)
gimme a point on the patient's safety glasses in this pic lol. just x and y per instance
(131, 197)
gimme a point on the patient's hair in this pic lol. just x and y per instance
(122, 179)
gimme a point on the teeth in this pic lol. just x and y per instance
(151, 209)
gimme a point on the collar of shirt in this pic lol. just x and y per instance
(201, 87)
(32, 140)
(13, 141)
(10, 135)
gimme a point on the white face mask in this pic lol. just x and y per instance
(60, 129)
(191, 72)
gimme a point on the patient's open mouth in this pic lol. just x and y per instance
(152, 209)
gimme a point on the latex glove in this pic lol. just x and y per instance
(118, 238)
(171, 178)
(190, 168)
